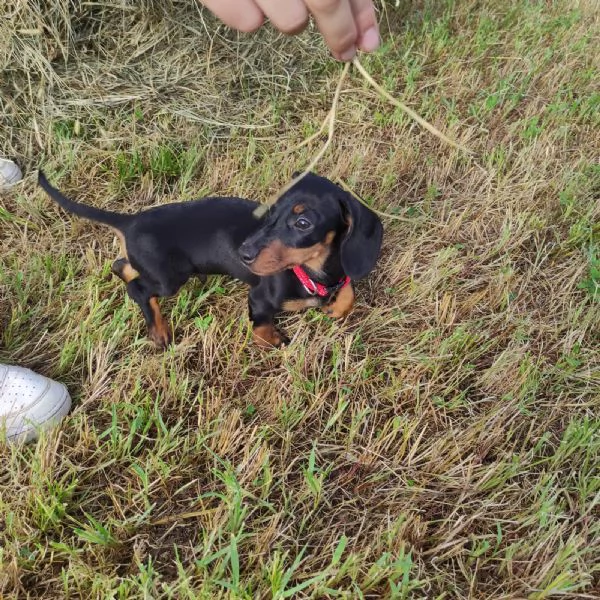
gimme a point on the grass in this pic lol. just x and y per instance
(442, 442)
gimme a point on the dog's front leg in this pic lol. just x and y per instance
(262, 314)
(341, 306)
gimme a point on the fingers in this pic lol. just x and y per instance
(335, 21)
(366, 23)
(289, 17)
(346, 25)
(243, 15)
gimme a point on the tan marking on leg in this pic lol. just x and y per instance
(123, 270)
(300, 304)
(159, 332)
(129, 273)
(342, 304)
(266, 336)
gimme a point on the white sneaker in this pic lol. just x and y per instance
(28, 403)
(10, 174)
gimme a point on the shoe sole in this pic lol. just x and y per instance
(30, 431)
(10, 174)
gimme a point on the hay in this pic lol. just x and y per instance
(442, 441)
(329, 122)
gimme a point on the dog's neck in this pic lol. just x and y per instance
(331, 273)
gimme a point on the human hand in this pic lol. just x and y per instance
(345, 24)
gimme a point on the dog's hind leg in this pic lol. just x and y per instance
(123, 270)
(158, 328)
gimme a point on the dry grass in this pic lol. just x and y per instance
(443, 442)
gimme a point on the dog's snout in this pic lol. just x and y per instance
(248, 253)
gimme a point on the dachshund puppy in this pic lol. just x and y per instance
(305, 252)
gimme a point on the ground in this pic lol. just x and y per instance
(441, 442)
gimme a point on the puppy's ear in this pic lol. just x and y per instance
(309, 174)
(362, 241)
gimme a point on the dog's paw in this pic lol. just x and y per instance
(335, 312)
(342, 304)
(266, 336)
(161, 335)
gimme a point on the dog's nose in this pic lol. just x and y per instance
(247, 254)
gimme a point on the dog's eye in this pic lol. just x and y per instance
(303, 224)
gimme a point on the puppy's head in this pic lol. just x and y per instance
(306, 223)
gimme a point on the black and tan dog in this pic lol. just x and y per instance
(313, 241)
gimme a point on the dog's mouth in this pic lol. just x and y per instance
(269, 260)
(264, 271)
(277, 257)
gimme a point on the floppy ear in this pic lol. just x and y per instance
(362, 242)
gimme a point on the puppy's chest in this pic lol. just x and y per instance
(299, 298)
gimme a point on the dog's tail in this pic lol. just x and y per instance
(116, 220)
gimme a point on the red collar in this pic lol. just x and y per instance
(315, 288)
